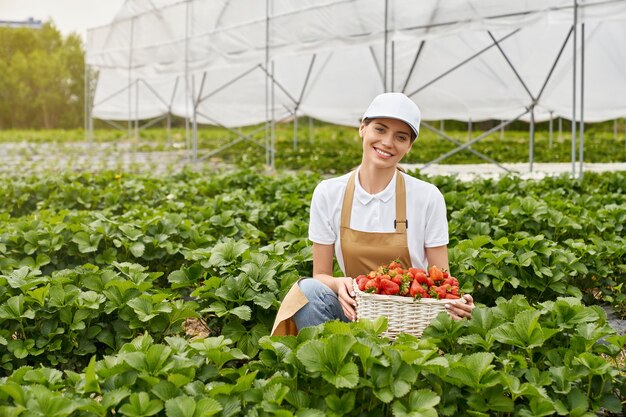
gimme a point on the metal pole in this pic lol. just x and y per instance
(385, 46)
(581, 143)
(469, 129)
(130, 60)
(187, 96)
(560, 137)
(267, 85)
(442, 125)
(393, 69)
(136, 136)
(194, 126)
(295, 129)
(574, 92)
(169, 113)
(169, 129)
(531, 150)
(273, 130)
(474, 140)
(90, 105)
(550, 130)
(85, 98)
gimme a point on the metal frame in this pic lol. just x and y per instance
(389, 62)
(530, 109)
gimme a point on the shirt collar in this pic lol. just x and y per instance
(385, 195)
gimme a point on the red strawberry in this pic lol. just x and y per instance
(435, 273)
(372, 287)
(389, 287)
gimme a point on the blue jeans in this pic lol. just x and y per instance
(323, 305)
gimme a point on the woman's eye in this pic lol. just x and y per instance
(402, 138)
(380, 129)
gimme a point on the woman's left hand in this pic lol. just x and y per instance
(461, 308)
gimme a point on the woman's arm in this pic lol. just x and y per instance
(438, 256)
(323, 256)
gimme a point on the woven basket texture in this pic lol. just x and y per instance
(404, 314)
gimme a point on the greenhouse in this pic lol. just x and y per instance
(314, 208)
(232, 64)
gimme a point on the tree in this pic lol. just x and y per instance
(41, 78)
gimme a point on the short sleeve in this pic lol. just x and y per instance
(436, 231)
(321, 229)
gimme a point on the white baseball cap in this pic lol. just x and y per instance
(395, 106)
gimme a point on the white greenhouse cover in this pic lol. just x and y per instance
(328, 58)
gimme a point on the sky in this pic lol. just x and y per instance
(68, 15)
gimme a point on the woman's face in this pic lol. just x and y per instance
(385, 141)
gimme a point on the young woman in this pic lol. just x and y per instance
(368, 218)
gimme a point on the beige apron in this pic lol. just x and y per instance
(365, 251)
(362, 252)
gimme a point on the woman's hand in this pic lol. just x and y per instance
(345, 293)
(461, 308)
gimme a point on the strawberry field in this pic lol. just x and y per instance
(106, 278)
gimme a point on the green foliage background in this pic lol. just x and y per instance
(41, 78)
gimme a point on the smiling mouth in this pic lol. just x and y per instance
(383, 153)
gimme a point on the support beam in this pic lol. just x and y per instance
(574, 90)
(459, 65)
(459, 143)
(581, 142)
(471, 142)
(508, 61)
(531, 144)
(550, 129)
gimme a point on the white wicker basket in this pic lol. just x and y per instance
(404, 314)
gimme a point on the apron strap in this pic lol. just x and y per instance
(346, 208)
(400, 223)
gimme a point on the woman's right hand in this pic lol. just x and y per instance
(345, 294)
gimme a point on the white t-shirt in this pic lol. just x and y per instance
(425, 210)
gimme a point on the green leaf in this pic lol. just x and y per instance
(137, 249)
(15, 391)
(341, 405)
(186, 277)
(165, 390)
(421, 403)
(145, 309)
(25, 278)
(86, 243)
(221, 310)
(111, 399)
(15, 309)
(312, 355)
(541, 407)
(185, 406)
(265, 300)
(243, 312)
(91, 379)
(91, 300)
(328, 358)
(224, 254)
(207, 407)
(39, 294)
(475, 370)
(44, 402)
(155, 361)
(525, 331)
(139, 405)
(596, 365)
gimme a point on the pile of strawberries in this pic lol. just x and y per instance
(393, 279)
